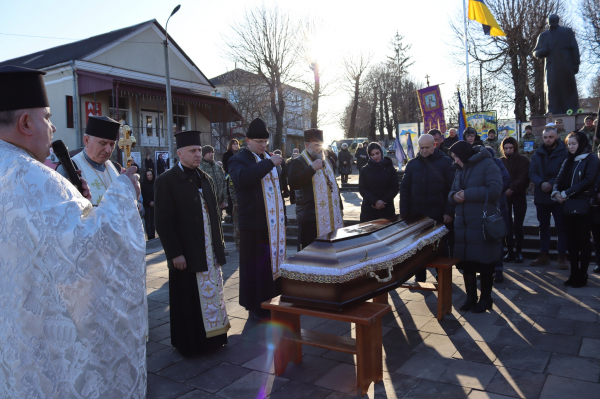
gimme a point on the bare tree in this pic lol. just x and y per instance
(355, 68)
(265, 42)
(509, 58)
(590, 13)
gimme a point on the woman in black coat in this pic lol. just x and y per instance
(361, 156)
(574, 189)
(345, 162)
(378, 185)
(147, 187)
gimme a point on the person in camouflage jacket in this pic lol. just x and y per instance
(529, 142)
(215, 171)
(493, 142)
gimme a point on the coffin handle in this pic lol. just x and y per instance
(383, 280)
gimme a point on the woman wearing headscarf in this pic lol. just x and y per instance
(378, 185)
(477, 177)
(574, 189)
(345, 161)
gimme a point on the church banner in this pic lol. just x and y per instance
(482, 122)
(432, 108)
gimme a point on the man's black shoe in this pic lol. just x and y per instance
(509, 257)
(519, 258)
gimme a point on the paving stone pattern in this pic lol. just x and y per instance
(541, 340)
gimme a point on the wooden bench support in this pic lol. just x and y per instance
(367, 346)
(443, 285)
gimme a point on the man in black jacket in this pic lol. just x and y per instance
(425, 186)
(440, 143)
(309, 173)
(188, 223)
(261, 219)
(543, 169)
(149, 163)
(451, 139)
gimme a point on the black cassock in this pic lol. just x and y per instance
(180, 225)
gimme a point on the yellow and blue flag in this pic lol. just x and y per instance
(462, 118)
(480, 12)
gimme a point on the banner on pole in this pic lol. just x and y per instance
(432, 108)
(482, 122)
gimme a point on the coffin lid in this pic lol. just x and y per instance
(352, 251)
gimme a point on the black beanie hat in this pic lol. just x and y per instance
(462, 150)
(206, 149)
(257, 130)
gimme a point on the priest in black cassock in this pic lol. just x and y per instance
(261, 218)
(318, 203)
(189, 227)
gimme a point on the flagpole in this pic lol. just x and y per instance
(467, 54)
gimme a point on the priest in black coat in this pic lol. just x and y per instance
(261, 219)
(189, 227)
(309, 173)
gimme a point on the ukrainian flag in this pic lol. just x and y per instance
(479, 12)
(462, 118)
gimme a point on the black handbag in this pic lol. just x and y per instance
(576, 206)
(494, 227)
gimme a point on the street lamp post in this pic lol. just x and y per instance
(169, 100)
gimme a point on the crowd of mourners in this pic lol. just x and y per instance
(456, 182)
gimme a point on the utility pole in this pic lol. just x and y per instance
(169, 100)
(467, 57)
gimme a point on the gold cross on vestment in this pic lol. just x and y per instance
(97, 184)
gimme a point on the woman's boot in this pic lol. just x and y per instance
(485, 302)
(471, 288)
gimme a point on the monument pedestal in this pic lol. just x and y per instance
(570, 122)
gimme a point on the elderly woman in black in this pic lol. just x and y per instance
(378, 185)
(574, 188)
(477, 180)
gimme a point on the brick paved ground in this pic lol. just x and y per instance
(541, 340)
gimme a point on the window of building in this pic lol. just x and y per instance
(123, 115)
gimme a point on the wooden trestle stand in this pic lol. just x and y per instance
(366, 316)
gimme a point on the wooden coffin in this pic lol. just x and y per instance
(356, 263)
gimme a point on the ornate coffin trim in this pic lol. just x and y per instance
(332, 275)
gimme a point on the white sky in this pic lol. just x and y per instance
(348, 27)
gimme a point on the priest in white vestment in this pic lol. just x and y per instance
(72, 276)
(101, 135)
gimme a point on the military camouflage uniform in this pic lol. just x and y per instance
(218, 176)
(537, 143)
(562, 134)
(495, 144)
(591, 133)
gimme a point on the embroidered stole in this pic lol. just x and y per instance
(275, 218)
(210, 285)
(327, 198)
(98, 182)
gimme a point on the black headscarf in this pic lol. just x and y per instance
(583, 141)
(463, 151)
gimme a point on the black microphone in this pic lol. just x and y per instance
(62, 153)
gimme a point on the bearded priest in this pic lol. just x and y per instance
(319, 208)
(261, 218)
(72, 276)
(189, 226)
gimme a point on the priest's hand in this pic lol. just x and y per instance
(179, 262)
(317, 164)
(276, 159)
(86, 188)
(135, 180)
(546, 187)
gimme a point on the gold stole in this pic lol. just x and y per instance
(327, 198)
(275, 218)
(97, 185)
(210, 286)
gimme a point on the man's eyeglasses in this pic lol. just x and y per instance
(260, 142)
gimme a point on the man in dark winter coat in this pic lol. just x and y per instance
(149, 163)
(345, 163)
(438, 137)
(262, 238)
(451, 139)
(318, 202)
(189, 227)
(361, 156)
(544, 167)
(425, 186)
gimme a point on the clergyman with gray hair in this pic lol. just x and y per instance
(545, 165)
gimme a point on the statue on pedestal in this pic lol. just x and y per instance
(561, 52)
